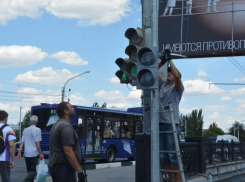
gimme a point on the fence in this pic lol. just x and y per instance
(196, 153)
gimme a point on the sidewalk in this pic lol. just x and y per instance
(109, 172)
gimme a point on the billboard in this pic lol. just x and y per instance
(202, 28)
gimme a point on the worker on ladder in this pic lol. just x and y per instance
(171, 90)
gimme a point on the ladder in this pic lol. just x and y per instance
(177, 150)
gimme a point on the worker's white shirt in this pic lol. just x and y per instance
(31, 135)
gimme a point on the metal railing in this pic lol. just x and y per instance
(196, 154)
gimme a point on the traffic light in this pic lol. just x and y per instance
(122, 74)
(147, 68)
(128, 67)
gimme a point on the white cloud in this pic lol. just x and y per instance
(216, 108)
(35, 96)
(87, 12)
(77, 99)
(114, 80)
(187, 110)
(215, 115)
(202, 73)
(11, 9)
(200, 86)
(70, 58)
(45, 76)
(240, 100)
(134, 94)
(20, 56)
(239, 79)
(90, 12)
(117, 99)
(226, 98)
(240, 91)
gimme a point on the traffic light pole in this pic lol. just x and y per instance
(155, 165)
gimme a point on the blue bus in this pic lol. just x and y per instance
(104, 134)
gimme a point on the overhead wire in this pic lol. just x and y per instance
(236, 65)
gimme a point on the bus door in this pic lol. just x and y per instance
(93, 137)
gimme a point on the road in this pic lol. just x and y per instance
(121, 174)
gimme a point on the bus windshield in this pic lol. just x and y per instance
(46, 118)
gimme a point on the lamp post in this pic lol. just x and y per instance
(238, 131)
(20, 126)
(63, 90)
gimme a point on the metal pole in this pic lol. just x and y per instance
(185, 128)
(238, 132)
(155, 166)
(20, 126)
(63, 90)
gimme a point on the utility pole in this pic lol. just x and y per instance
(20, 126)
(155, 164)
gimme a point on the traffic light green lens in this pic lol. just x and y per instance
(133, 71)
(124, 77)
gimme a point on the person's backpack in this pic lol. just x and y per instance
(2, 142)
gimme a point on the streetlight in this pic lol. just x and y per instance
(238, 130)
(63, 90)
(20, 126)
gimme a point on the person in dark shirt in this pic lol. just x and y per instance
(64, 148)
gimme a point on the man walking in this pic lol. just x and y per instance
(9, 148)
(171, 90)
(64, 148)
(31, 139)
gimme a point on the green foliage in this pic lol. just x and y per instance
(194, 123)
(104, 105)
(213, 131)
(96, 104)
(24, 124)
(241, 127)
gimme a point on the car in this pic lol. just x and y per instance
(17, 146)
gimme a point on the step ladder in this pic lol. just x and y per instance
(177, 150)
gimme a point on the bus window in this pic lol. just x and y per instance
(81, 126)
(128, 129)
(46, 118)
(111, 128)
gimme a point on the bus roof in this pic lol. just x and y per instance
(131, 111)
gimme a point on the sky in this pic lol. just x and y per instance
(45, 43)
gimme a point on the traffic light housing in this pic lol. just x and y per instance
(147, 68)
(128, 67)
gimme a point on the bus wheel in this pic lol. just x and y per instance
(110, 154)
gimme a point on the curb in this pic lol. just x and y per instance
(109, 165)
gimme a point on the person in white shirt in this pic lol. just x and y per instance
(31, 139)
(9, 151)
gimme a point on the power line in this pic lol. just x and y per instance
(236, 66)
(22, 93)
(238, 63)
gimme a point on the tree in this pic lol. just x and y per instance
(96, 104)
(213, 131)
(194, 123)
(24, 124)
(241, 128)
(104, 105)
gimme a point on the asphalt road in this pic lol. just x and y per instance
(121, 174)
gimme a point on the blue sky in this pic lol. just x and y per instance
(44, 43)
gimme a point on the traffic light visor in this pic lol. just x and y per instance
(134, 35)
